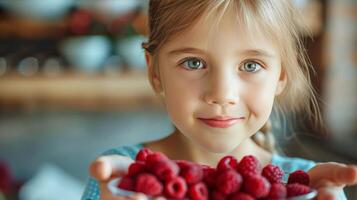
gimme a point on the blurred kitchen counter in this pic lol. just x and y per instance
(76, 90)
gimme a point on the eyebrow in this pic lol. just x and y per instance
(246, 52)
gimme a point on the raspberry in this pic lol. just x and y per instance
(176, 188)
(127, 183)
(136, 168)
(209, 176)
(216, 195)
(277, 191)
(299, 176)
(198, 191)
(165, 170)
(241, 196)
(296, 189)
(229, 181)
(249, 165)
(142, 154)
(192, 173)
(227, 162)
(273, 173)
(148, 184)
(155, 157)
(256, 185)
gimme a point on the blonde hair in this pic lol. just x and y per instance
(277, 18)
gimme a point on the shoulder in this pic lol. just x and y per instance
(290, 164)
(129, 151)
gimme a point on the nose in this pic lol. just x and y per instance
(223, 90)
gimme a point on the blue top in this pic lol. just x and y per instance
(288, 164)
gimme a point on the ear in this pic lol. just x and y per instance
(281, 83)
(153, 76)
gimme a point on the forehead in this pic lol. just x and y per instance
(214, 31)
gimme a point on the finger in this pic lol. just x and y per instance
(160, 198)
(106, 167)
(333, 174)
(329, 193)
(138, 196)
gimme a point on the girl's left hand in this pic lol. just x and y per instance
(330, 178)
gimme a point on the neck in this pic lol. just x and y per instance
(178, 147)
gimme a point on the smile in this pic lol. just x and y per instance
(219, 123)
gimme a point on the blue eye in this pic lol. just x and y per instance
(193, 64)
(251, 66)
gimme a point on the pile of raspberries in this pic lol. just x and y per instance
(154, 174)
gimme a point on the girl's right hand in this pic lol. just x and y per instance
(105, 168)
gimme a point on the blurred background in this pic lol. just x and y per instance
(73, 84)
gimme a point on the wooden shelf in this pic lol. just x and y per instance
(78, 91)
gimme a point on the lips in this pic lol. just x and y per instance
(221, 122)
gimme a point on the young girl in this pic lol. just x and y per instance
(220, 66)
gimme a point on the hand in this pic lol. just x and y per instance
(105, 168)
(330, 178)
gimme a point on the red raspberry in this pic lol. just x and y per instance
(256, 185)
(229, 181)
(142, 154)
(227, 162)
(165, 170)
(249, 165)
(148, 184)
(198, 191)
(155, 157)
(299, 176)
(277, 191)
(273, 173)
(192, 173)
(176, 188)
(217, 195)
(209, 176)
(183, 164)
(126, 183)
(136, 168)
(241, 196)
(296, 189)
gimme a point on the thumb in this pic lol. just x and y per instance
(106, 167)
(333, 174)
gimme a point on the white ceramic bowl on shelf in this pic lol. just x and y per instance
(86, 53)
(38, 9)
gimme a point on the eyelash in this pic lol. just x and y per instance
(204, 63)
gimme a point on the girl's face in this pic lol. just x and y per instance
(218, 73)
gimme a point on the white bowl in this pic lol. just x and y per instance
(87, 53)
(38, 9)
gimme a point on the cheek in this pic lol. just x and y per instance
(259, 99)
(181, 100)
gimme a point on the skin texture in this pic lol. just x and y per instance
(204, 73)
